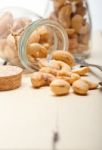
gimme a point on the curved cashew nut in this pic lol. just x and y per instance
(64, 15)
(81, 71)
(37, 50)
(92, 85)
(77, 23)
(39, 79)
(60, 87)
(80, 87)
(58, 3)
(63, 56)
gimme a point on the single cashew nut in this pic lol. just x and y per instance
(80, 87)
(82, 47)
(6, 20)
(63, 56)
(48, 78)
(81, 71)
(64, 73)
(49, 70)
(37, 50)
(85, 29)
(60, 87)
(84, 39)
(34, 37)
(58, 3)
(46, 45)
(92, 85)
(70, 31)
(44, 34)
(37, 80)
(11, 41)
(64, 15)
(74, 77)
(65, 78)
(77, 23)
(80, 9)
(73, 44)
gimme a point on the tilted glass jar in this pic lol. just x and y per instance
(17, 25)
(74, 16)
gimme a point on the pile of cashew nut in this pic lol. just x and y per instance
(11, 30)
(72, 15)
(61, 76)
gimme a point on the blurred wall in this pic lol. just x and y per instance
(96, 13)
(39, 7)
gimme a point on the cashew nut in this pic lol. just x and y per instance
(44, 34)
(37, 50)
(64, 15)
(60, 87)
(77, 23)
(80, 87)
(85, 29)
(63, 56)
(49, 70)
(92, 85)
(39, 79)
(81, 71)
(6, 20)
(34, 37)
(58, 4)
(74, 77)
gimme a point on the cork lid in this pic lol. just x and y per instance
(6, 71)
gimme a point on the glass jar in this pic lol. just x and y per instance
(21, 29)
(74, 16)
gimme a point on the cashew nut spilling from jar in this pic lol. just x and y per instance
(92, 85)
(65, 78)
(58, 68)
(81, 71)
(34, 37)
(11, 41)
(40, 79)
(37, 50)
(49, 70)
(37, 80)
(44, 34)
(63, 56)
(80, 87)
(74, 77)
(60, 87)
(60, 76)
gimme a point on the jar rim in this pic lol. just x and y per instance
(28, 31)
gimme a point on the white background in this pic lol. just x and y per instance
(40, 5)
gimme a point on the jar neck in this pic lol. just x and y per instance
(57, 30)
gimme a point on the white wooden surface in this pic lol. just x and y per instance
(28, 116)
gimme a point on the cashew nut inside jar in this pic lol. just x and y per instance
(26, 37)
(74, 16)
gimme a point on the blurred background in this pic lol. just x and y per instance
(39, 6)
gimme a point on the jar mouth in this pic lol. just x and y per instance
(31, 28)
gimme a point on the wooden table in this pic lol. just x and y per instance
(28, 117)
